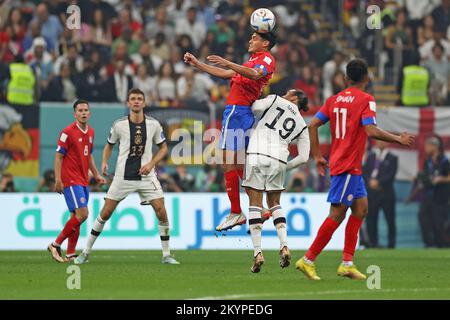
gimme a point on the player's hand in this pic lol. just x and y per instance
(406, 139)
(189, 58)
(59, 187)
(105, 169)
(145, 169)
(218, 61)
(100, 179)
(321, 165)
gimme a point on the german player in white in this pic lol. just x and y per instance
(280, 123)
(135, 171)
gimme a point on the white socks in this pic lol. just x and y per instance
(163, 228)
(255, 225)
(99, 224)
(279, 221)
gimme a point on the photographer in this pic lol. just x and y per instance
(47, 183)
(7, 183)
(434, 180)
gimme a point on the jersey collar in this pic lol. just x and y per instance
(84, 131)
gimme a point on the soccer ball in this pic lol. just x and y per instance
(262, 20)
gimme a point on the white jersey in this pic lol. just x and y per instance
(279, 125)
(135, 146)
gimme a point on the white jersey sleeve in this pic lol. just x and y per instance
(113, 135)
(261, 105)
(158, 136)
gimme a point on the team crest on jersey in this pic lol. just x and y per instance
(138, 136)
(350, 197)
(82, 200)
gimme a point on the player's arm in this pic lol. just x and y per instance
(98, 177)
(107, 152)
(303, 148)
(313, 130)
(374, 132)
(250, 73)
(162, 152)
(212, 70)
(59, 187)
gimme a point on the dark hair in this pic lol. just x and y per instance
(135, 91)
(302, 102)
(438, 45)
(79, 101)
(357, 69)
(269, 36)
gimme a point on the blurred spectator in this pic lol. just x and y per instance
(183, 179)
(329, 70)
(131, 42)
(61, 87)
(101, 36)
(190, 26)
(177, 10)
(212, 180)
(184, 43)
(88, 82)
(205, 13)
(232, 9)
(426, 49)
(304, 28)
(117, 86)
(425, 31)
(441, 16)
(123, 21)
(72, 58)
(282, 79)
(166, 90)
(166, 181)
(146, 57)
(22, 88)
(338, 83)
(34, 31)
(434, 180)
(160, 25)
(41, 62)
(379, 173)
(12, 36)
(414, 84)
(438, 67)
(308, 85)
(321, 49)
(51, 27)
(47, 182)
(399, 37)
(146, 83)
(7, 183)
(223, 35)
(160, 46)
(194, 87)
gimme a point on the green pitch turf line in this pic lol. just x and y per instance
(405, 274)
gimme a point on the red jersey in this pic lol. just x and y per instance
(348, 111)
(244, 91)
(76, 145)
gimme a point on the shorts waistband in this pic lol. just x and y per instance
(229, 106)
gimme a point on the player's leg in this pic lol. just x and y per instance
(163, 229)
(76, 201)
(279, 221)
(82, 214)
(255, 226)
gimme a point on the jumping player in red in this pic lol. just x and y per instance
(73, 160)
(352, 116)
(247, 82)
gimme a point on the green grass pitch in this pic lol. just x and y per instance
(405, 274)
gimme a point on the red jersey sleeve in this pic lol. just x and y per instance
(265, 63)
(369, 113)
(63, 143)
(324, 114)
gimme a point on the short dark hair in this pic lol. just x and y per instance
(269, 36)
(357, 69)
(79, 101)
(135, 91)
(302, 99)
(438, 45)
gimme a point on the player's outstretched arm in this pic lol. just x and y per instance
(162, 152)
(59, 187)
(379, 134)
(250, 73)
(313, 129)
(303, 147)
(189, 58)
(107, 151)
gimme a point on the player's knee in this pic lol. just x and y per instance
(82, 214)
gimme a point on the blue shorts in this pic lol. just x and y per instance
(76, 197)
(235, 123)
(345, 188)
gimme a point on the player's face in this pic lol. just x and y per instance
(256, 43)
(82, 113)
(136, 102)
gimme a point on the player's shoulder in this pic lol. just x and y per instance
(151, 120)
(120, 121)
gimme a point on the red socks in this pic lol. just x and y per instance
(232, 185)
(323, 237)
(73, 239)
(351, 237)
(69, 228)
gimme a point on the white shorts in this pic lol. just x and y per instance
(264, 173)
(148, 189)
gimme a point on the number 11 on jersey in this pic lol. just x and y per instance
(340, 134)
